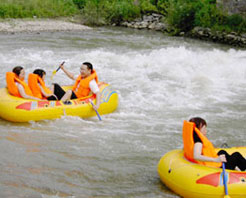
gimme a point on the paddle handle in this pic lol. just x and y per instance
(60, 66)
(224, 179)
(98, 115)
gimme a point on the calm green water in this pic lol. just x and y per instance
(161, 81)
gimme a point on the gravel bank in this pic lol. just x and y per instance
(39, 25)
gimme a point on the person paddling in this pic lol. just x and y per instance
(84, 84)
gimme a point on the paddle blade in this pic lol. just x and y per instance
(225, 181)
(53, 73)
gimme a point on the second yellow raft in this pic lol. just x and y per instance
(191, 180)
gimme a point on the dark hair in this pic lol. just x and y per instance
(17, 70)
(89, 65)
(199, 122)
(39, 72)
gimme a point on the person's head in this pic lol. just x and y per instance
(40, 72)
(86, 69)
(19, 71)
(200, 124)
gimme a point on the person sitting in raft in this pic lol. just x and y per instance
(16, 85)
(84, 84)
(38, 87)
(198, 149)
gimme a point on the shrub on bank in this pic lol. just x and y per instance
(237, 22)
(184, 15)
(101, 12)
(119, 11)
(39, 8)
(80, 3)
(180, 15)
(93, 12)
(148, 6)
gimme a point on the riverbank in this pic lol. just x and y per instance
(153, 22)
(39, 25)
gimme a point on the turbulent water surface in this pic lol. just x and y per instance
(161, 81)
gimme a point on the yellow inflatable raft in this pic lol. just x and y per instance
(190, 180)
(16, 109)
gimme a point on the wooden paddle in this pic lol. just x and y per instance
(225, 181)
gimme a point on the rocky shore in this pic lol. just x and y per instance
(152, 22)
(39, 25)
(231, 38)
(156, 22)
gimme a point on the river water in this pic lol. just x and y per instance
(161, 81)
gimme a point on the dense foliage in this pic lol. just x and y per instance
(182, 15)
(38, 8)
(109, 11)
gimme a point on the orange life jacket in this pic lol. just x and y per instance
(81, 86)
(11, 78)
(33, 81)
(207, 147)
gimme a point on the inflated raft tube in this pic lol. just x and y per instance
(191, 180)
(17, 109)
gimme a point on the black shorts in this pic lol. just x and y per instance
(233, 160)
(51, 98)
(59, 92)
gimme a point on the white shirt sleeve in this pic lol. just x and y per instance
(93, 86)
